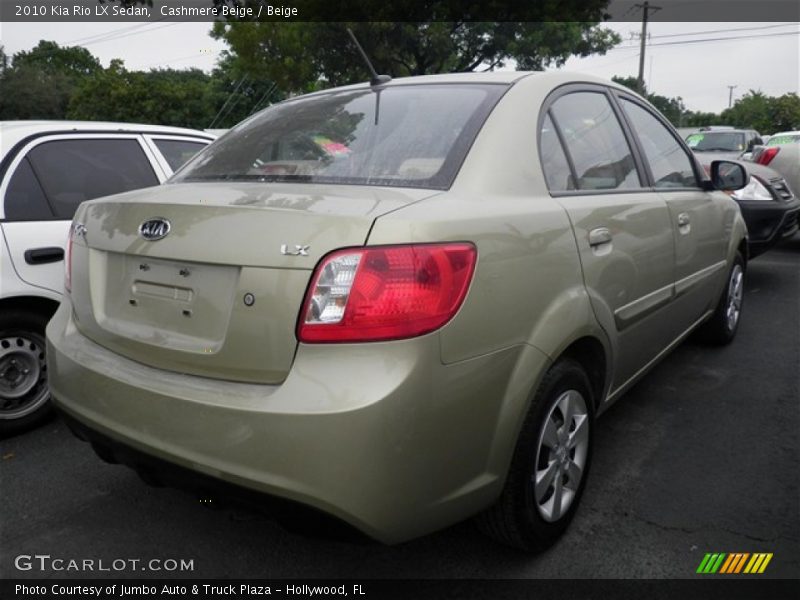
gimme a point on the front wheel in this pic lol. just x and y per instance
(722, 327)
(24, 395)
(550, 464)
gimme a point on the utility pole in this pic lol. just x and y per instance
(730, 94)
(646, 7)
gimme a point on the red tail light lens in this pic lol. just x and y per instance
(767, 155)
(385, 292)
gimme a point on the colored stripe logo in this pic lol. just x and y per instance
(734, 563)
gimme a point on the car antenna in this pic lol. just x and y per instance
(376, 79)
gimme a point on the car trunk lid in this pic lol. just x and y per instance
(219, 294)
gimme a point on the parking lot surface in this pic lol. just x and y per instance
(701, 456)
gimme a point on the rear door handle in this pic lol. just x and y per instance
(599, 236)
(41, 256)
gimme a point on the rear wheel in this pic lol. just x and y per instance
(24, 395)
(550, 464)
(722, 327)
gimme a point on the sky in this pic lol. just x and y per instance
(692, 60)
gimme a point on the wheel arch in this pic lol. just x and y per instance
(33, 304)
(590, 353)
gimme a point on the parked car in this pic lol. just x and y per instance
(768, 205)
(770, 209)
(399, 304)
(723, 142)
(782, 153)
(47, 168)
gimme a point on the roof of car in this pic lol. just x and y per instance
(11, 132)
(485, 77)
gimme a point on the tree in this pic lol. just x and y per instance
(235, 95)
(751, 110)
(301, 56)
(48, 57)
(164, 97)
(785, 112)
(767, 114)
(672, 108)
(38, 83)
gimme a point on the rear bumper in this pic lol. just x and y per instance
(769, 222)
(382, 436)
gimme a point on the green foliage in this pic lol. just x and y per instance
(672, 108)
(51, 82)
(235, 95)
(302, 56)
(701, 119)
(754, 110)
(767, 114)
(39, 83)
(164, 97)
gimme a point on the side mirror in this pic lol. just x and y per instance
(728, 176)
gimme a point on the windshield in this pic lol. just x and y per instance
(787, 138)
(716, 141)
(414, 136)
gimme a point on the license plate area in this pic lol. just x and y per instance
(173, 304)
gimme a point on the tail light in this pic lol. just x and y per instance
(385, 292)
(767, 155)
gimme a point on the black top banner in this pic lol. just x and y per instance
(397, 10)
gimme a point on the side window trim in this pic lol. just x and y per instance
(618, 97)
(20, 164)
(639, 162)
(639, 156)
(563, 144)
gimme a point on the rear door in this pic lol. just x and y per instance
(46, 183)
(623, 229)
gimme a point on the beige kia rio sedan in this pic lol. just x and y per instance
(398, 305)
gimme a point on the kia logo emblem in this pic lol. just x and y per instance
(154, 229)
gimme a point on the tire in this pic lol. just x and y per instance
(24, 395)
(722, 327)
(529, 517)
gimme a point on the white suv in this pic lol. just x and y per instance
(47, 168)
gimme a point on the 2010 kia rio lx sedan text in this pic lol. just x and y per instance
(399, 304)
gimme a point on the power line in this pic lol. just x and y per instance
(719, 39)
(671, 35)
(119, 37)
(227, 101)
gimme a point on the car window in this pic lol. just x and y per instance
(72, 171)
(554, 161)
(669, 163)
(177, 152)
(779, 140)
(595, 142)
(25, 199)
(416, 135)
(716, 141)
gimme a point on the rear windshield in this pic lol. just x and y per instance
(412, 136)
(716, 141)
